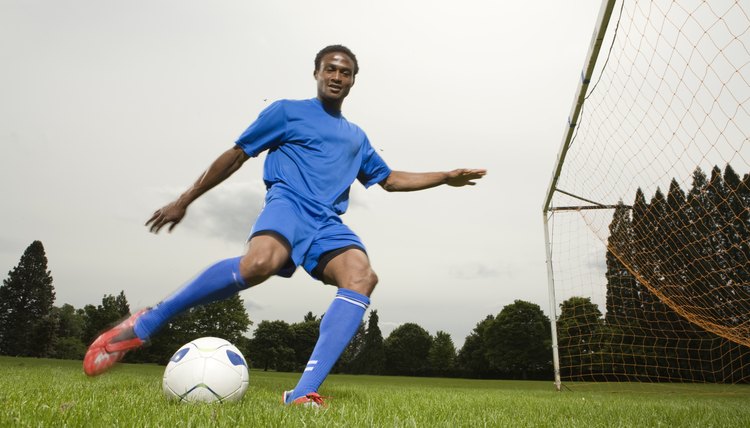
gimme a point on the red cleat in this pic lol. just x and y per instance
(312, 399)
(111, 346)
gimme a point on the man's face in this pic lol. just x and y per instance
(335, 77)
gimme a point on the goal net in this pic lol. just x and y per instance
(648, 211)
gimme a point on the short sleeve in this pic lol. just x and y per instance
(266, 132)
(373, 169)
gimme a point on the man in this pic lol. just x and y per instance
(314, 155)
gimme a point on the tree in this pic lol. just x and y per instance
(372, 359)
(518, 343)
(272, 346)
(26, 299)
(579, 328)
(368, 352)
(687, 251)
(305, 336)
(442, 355)
(738, 251)
(629, 252)
(406, 350)
(347, 362)
(99, 318)
(622, 289)
(472, 358)
(70, 323)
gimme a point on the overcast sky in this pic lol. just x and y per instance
(111, 109)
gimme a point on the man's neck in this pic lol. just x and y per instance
(333, 107)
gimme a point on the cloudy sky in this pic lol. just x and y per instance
(111, 109)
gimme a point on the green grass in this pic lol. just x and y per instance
(37, 392)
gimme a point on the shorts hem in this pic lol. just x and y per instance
(290, 266)
(325, 258)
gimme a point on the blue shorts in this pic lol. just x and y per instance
(314, 233)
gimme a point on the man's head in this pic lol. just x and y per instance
(336, 48)
(335, 68)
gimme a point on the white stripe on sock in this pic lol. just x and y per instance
(309, 369)
(352, 301)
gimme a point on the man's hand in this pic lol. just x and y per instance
(224, 166)
(171, 214)
(464, 177)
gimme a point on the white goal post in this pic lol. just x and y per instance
(597, 39)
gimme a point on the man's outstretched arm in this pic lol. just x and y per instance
(223, 167)
(401, 181)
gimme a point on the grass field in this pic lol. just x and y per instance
(37, 392)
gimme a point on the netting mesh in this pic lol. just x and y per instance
(658, 289)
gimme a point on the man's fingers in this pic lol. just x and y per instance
(471, 173)
(168, 215)
(156, 221)
(476, 173)
(159, 221)
(153, 218)
(464, 177)
(155, 227)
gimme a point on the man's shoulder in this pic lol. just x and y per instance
(286, 109)
(286, 102)
(293, 108)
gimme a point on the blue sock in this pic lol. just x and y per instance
(337, 328)
(220, 281)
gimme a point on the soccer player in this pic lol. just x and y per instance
(314, 154)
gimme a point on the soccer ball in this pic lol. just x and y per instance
(206, 370)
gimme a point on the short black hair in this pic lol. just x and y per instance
(336, 48)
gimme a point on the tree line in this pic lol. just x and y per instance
(512, 344)
(678, 290)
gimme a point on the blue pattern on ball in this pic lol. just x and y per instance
(179, 355)
(235, 359)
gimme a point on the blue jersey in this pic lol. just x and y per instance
(312, 153)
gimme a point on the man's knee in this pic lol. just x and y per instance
(258, 266)
(371, 279)
(351, 270)
(362, 282)
(265, 256)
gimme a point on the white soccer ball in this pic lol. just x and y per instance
(206, 370)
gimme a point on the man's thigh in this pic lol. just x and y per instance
(282, 220)
(351, 270)
(330, 241)
(267, 254)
